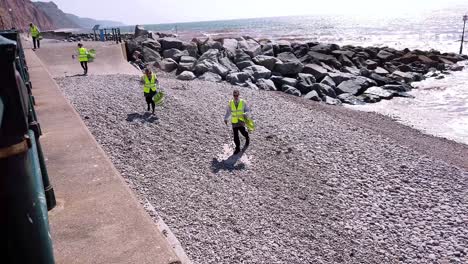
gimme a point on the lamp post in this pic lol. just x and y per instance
(465, 17)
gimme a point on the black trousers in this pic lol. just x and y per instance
(244, 133)
(36, 42)
(149, 100)
(84, 65)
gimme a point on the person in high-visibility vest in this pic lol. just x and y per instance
(150, 85)
(35, 33)
(83, 58)
(239, 112)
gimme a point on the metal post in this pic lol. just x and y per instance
(120, 36)
(465, 17)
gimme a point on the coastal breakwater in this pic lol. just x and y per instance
(312, 70)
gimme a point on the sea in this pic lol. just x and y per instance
(440, 107)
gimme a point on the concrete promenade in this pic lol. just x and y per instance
(97, 219)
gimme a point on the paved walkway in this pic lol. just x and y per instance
(98, 219)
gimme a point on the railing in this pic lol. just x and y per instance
(26, 194)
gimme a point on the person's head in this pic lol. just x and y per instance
(30, 24)
(235, 94)
(80, 45)
(148, 71)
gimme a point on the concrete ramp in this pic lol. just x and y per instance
(110, 59)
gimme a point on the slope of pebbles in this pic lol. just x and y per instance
(313, 187)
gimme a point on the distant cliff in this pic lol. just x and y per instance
(64, 20)
(19, 13)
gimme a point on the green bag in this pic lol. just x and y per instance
(91, 55)
(250, 124)
(158, 99)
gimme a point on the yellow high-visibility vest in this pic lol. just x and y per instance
(34, 31)
(237, 114)
(149, 84)
(83, 54)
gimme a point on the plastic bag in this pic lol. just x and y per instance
(91, 55)
(158, 98)
(250, 124)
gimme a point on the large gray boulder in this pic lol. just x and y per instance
(380, 92)
(251, 85)
(287, 57)
(385, 55)
(266, 61)
(168, 65)
(381, 71)
(355, 86)
(350, 99)
(268, 49)
(379, 79)
(328, 81)
(186, 76)
(332, 101)
(150, 55)
(345, 61)
(371, 65)
(250, 47)
(240, 55)
(152, 44)
(305, 82)
(210, 66)
(290, 90)
(324, 48)
(191, 48)
(226, 62)
(284, 46)
(316, 70)
(397, 87)
(267, 85)
(237, 78)
(244, 64)
(140, 31)
(313, 95)
(345, 52)
(327, 59)
(324, 90)
(171, 43)
(174, 54)
(289, 68)
(208, 44)
(210, 77)
(407, 77)
(339, 77)
(257, 72)
(280, 81)
(211, 54)
(186, 63)
(230, 45)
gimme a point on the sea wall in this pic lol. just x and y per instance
(315, 71)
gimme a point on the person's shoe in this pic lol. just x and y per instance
(236, 151)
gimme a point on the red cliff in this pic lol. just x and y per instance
(19, 13)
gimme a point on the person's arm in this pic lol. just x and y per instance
(227, 115)
(246, 110)
(142, 80)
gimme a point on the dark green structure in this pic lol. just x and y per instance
(26, 194)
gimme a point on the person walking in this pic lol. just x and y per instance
(239, 112)
(83, 58)
(150, 83)
(35, 33)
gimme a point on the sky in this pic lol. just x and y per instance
(133, 12)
